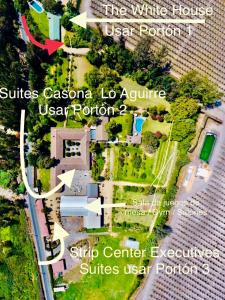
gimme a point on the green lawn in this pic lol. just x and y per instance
(131, 85)
(153, 126)
(134, 198)
(163, 155)
(42, 21)
(133, 216)
(44, 176)
(208, 147)
(82, 66)
(131, 197)
(107, 286)
(127, 125)
(127, 170)
(5, 178)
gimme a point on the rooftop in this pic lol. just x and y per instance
(54, 26)
(79, 162)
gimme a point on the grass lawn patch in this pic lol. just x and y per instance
(131, 164)
(208, 146)
(163, 154)
(81, 66)
(127, 125)
(42, 21)
(131, 85)
(133, 216)
(107, 286)
(5, 178)
(154, 126)
(44, 176)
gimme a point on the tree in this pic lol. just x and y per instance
(183, 129)
(113, 128)
(143, 55)
(199, 87)
(185, 108)
(150, 141)
(52, 6)
(45, 162)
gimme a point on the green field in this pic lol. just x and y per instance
(42, 21)
(107, 286)
(128, 169)
(44, 176)
(208, 146)
(154, 126)
(131, 85)
(133, 216)
(164, 161)
(130, 197)
(138, 198)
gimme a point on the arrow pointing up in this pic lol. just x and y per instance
(96, 206)
(59, 234)
(50, 45)
(83, 19)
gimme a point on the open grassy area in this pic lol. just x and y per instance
(154, 126)
(131, 85)
(127, 125)
(163, 155)
(141, 201)
(81, 67)
(44, 176)
(132, 197)
(18, 272)
(42, 21)
(131, 164)
(107, 286)
(207, 147)
(133, 216)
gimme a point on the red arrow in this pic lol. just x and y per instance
(50, 45)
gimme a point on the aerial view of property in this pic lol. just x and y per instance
(112, 157)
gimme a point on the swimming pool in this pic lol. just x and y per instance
(139, 121)
(208, 147)
(37, 6)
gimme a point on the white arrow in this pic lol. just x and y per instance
(83, 19)
(58, 234)
(96, 206)
(66, 178)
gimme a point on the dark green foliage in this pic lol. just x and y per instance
(12, 70)
(103, 79)
(17, 262)
(150, 142)
(97, 160)
(113, 129)
(52, 6)
(196, 86)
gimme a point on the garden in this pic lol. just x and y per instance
(132, 164)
